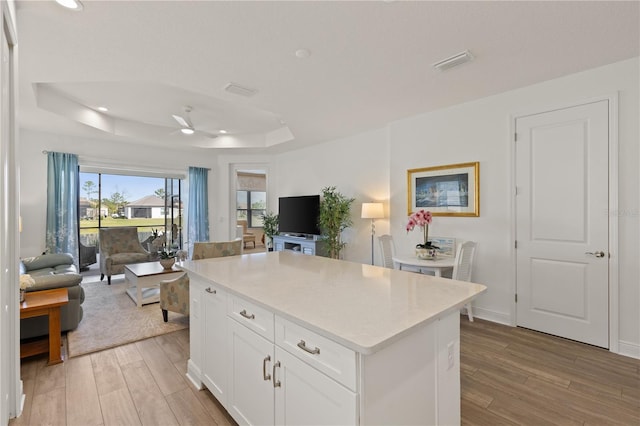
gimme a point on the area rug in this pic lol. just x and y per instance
(112, 319)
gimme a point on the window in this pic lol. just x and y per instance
(152, 204)
(250, 206)
(251, 197)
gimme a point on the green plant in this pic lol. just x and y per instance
(166, 254)
(269, 225)
(335, 217)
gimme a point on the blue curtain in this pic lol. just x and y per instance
(198, 217)
(62, 203)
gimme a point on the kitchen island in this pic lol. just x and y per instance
(285, 338)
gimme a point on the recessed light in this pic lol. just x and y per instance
(187, 131)
(103, 109)
(70, 4)
(223, 131)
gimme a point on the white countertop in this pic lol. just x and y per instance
(363, 307)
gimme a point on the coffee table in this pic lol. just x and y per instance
(143, 281)
(41, 303)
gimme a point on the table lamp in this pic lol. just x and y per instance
(372, 211)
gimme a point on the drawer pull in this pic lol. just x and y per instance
(246, 315)
(210, 290)
(265, 375)
(302, 345)
(276, 383)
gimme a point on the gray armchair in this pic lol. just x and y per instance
(118, 247)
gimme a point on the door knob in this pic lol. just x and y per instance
(596, 254)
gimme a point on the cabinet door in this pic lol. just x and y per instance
(250, 397)
(308, 397)
(214, 362)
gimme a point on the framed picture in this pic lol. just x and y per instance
(452, 190)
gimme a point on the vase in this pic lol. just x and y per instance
(426, 253)
(167, 263)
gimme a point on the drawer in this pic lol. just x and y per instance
(251, 315)
(324, 354)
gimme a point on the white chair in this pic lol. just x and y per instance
(464, 265)
(387, 249)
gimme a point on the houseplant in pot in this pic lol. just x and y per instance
(422, 219)
(270, 228)
(167, 258)
(335, 216)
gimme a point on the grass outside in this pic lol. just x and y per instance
(90, 226)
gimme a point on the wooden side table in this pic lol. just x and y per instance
(40, 303)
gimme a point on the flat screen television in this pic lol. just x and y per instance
(299, 215)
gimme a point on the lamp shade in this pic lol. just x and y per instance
(372, 211)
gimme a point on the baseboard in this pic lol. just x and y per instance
(629, 349)
(194, 374)
(493, 316)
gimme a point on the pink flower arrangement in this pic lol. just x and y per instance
(421, 219)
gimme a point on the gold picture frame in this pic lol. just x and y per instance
(452, 190)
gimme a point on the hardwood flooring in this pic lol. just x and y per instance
(508, 376)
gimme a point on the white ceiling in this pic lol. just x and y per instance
(370, 63)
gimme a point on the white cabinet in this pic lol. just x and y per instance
(268, 385)
(214, 361)
(250, 399)
(302, 245)
(306, 396)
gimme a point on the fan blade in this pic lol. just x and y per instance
(181, 121)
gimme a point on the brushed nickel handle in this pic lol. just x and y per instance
(596, 254)
(246, 315)
(302, 345)
(210, 290)
(276, 383)
(265, 375)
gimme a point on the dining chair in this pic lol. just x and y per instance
(387, 249)
(463, 267)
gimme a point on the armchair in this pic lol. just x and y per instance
(174, 294)
(118, 247)
(247, 237)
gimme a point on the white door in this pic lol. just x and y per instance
(562, 222)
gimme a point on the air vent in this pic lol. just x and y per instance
(453, 61)
(240, 90)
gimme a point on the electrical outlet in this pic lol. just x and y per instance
(450, 355)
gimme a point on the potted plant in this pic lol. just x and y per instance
(335, 216)
(422, 219)
(270, 228)
(167, 258)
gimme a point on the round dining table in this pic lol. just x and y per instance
(437, 265)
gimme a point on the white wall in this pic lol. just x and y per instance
(33, 173)
(373, 165)
(357, 166)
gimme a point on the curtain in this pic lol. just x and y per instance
(62, 203)
(198, 216)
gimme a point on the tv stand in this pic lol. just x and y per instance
(308, 246)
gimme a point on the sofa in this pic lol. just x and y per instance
(53, 271)
(119, 247)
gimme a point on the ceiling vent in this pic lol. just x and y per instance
(453, 61)
(240, 90)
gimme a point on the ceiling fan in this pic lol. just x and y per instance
(187, 127)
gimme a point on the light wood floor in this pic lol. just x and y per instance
(509, 376)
